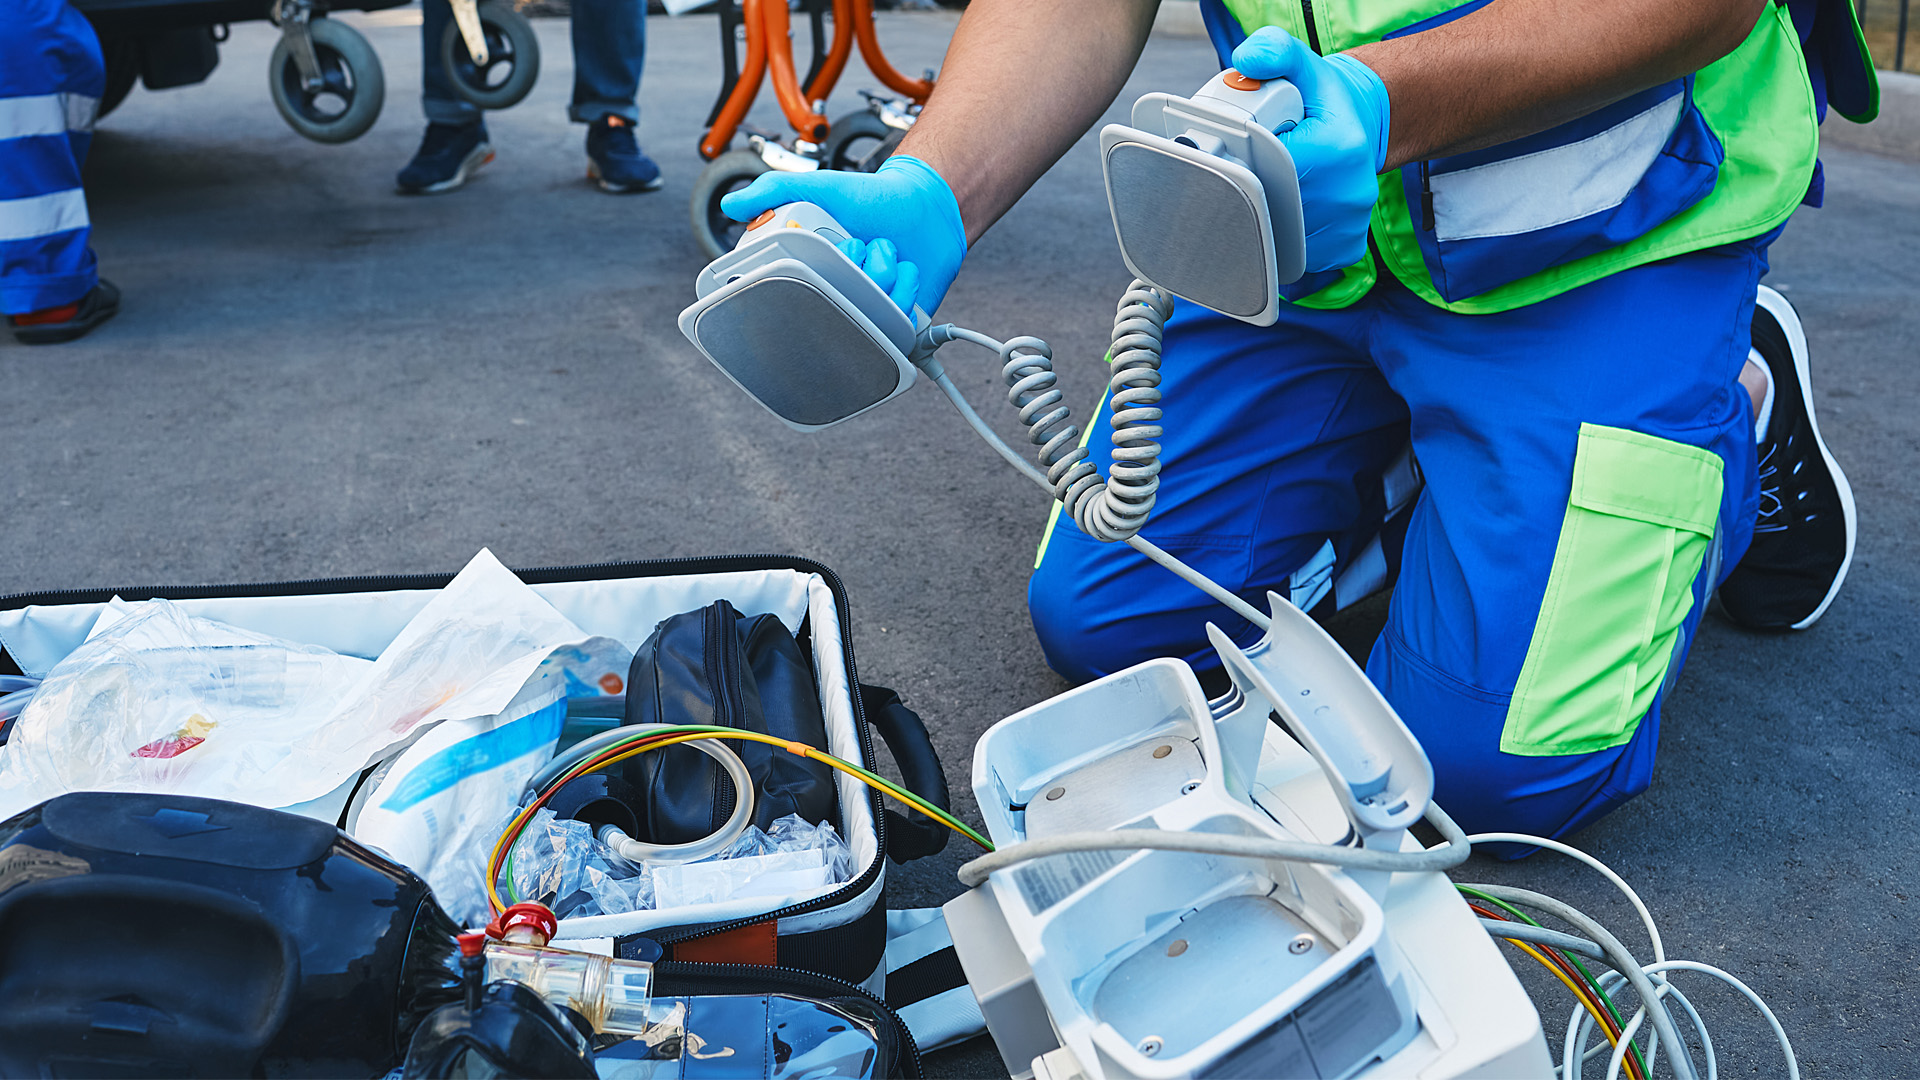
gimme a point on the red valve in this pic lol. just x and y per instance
(472, 944)
(536, 919)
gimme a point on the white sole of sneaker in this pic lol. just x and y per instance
(593, 174)
(1789, 320)
(480, 156)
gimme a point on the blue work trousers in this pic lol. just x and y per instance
(51, 79)
(1589, 479)
(609, 51)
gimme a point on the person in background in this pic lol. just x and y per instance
(609, 49)
(51, 78)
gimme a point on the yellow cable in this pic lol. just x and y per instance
(1579, 993)
(803, 750)
(495, 857)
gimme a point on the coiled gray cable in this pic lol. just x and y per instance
(1111, 509)
(1115, 508)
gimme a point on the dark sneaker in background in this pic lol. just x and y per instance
(447, 154)
(55, 325)
(1803, 540)
(614, 159)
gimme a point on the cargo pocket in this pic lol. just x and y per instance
(1639, 522)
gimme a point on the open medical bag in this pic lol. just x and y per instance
(839, 931)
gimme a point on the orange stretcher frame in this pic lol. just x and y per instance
(770, 51)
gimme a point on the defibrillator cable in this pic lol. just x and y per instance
(1110, 509)
(1443, 857)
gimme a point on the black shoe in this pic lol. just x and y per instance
(615, 161)
(1803, 540)
(62, 324)
(448, 152)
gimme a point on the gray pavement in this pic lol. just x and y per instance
(313, 376)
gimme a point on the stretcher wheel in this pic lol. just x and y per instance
(513, 58)
(347, 101)
(858, 142)
(731, 171)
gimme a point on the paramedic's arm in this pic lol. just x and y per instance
(1022, 80)
(1516, 67)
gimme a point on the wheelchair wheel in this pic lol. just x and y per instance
(731, 171)
(513, 58)
(858, 142)
(352, 86)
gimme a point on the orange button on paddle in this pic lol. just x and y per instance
(761, 220)
(1237, 81)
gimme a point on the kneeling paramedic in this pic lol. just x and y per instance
(1535, 235)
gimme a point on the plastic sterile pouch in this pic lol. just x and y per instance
(777, 874)
(157, 700)
(443, 803)
(468, 653)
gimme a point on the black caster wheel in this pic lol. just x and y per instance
(731, 171)
(122, 55)
(858, 142)
(347, 100)
(513, 58)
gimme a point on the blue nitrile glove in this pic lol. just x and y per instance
(1338, 147)
(904, 202)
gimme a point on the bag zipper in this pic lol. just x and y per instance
(760, 975)
(542, 576)
(717, 634)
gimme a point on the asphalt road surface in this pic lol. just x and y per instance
(313, 376)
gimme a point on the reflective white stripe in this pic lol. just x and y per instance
(46, 114)
(81, 111)
(42, 215)
(1552, 187)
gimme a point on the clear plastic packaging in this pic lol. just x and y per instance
(157, 700)
(563, 865)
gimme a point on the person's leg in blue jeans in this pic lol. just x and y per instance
(609, 51)
(437, 98)
(51, 79)
(456, 142)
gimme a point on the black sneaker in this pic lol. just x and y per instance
(1803, 540)
(75, 320)
(615, 161)
(448, 152)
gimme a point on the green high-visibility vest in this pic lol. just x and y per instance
(1757, 100)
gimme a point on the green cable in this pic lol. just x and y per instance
(1592, 983)
(873, 779)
